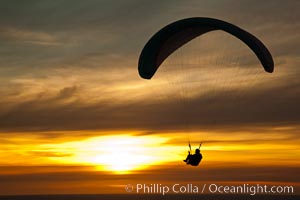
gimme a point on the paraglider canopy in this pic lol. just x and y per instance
(173, 36)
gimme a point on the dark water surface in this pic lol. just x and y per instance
(150, 197)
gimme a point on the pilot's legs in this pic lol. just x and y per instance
(187, 158)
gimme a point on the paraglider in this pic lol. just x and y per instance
(193, 159)
(173, 36)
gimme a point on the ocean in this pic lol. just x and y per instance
(149, 197)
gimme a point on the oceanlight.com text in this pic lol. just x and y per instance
(251, 189)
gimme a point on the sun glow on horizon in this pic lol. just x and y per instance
(120, 153)
(124, 153)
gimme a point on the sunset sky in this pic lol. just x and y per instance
(75, 117)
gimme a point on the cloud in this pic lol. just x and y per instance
(48, 154)
(26, 36)
(67, 92)
(262, 106)
(91, 81)
(166, 174)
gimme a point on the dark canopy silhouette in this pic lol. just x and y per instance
(173, 36)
